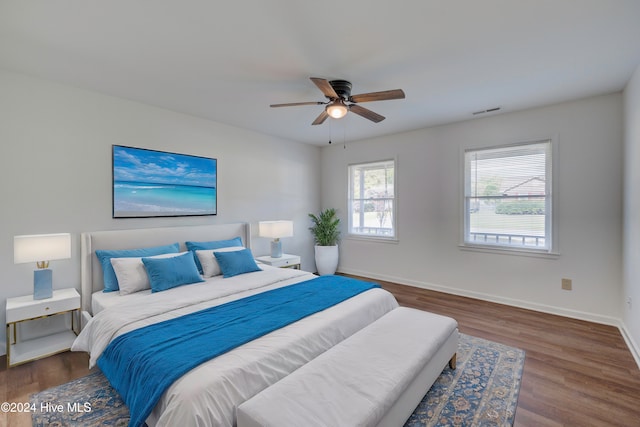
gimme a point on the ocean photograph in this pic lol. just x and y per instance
(150, 183)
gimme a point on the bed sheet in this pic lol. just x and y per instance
(101, 300)
(128, 312)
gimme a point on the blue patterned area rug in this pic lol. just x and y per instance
(482, 391)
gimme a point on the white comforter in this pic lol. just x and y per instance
(209, 394)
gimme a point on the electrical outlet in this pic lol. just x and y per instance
(566, 284)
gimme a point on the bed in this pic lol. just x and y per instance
(209, 393)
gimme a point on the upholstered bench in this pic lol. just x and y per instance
(376, 377)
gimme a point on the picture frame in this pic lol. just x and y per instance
(151, 183)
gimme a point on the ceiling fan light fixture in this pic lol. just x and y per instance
(338, 92)
(337, 109)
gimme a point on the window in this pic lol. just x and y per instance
(507, 197)
(372, 205)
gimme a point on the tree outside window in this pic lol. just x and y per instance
(372, 199)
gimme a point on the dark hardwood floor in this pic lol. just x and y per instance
(19, 382)
(576, 373)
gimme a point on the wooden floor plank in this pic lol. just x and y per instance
(576, 373)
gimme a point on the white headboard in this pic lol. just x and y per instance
(91, 270)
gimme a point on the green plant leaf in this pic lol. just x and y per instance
(325, 228)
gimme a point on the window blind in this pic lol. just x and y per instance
(507, 196)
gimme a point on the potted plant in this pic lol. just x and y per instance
(326, 234)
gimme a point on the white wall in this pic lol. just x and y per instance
(589, 133)
(55, 172)
(631, 311)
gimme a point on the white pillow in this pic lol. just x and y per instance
(131, 274)
(208, 260)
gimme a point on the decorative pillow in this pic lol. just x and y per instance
(213, 244)
(210, 266)
(104, 256)
(131, 274)
(236, 262)
(167, 273)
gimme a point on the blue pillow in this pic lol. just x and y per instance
(167, 273)
(109, 275)
(236, 262)
(213, 244)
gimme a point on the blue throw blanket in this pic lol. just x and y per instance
(143, 363)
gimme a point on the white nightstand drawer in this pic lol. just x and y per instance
(23, 308)
(285, 260)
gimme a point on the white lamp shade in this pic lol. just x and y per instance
(337, 110)
(41, 247)
(275, 229)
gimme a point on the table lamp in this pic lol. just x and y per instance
(41, 248)
(276, 230)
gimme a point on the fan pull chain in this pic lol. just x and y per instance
(344, 135)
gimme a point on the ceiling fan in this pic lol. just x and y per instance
(341, 101)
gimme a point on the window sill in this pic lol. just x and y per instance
(376, 239)
(510, 251)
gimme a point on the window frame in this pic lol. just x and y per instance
(394, 210)
(551, 218)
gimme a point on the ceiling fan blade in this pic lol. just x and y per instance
(378, 96)
(321, 118)
(325, 87)
(295, 104)
(367, 114)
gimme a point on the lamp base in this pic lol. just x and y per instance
(276, 249)
(42, 284)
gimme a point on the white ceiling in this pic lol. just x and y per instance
(227, 61)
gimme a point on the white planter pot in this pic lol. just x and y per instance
(327, 259)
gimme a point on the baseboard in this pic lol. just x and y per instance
(573, 314)
(633, 346)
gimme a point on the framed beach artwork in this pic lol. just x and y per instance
(149, 183)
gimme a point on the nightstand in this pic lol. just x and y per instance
(285, 261)
(24, 309)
